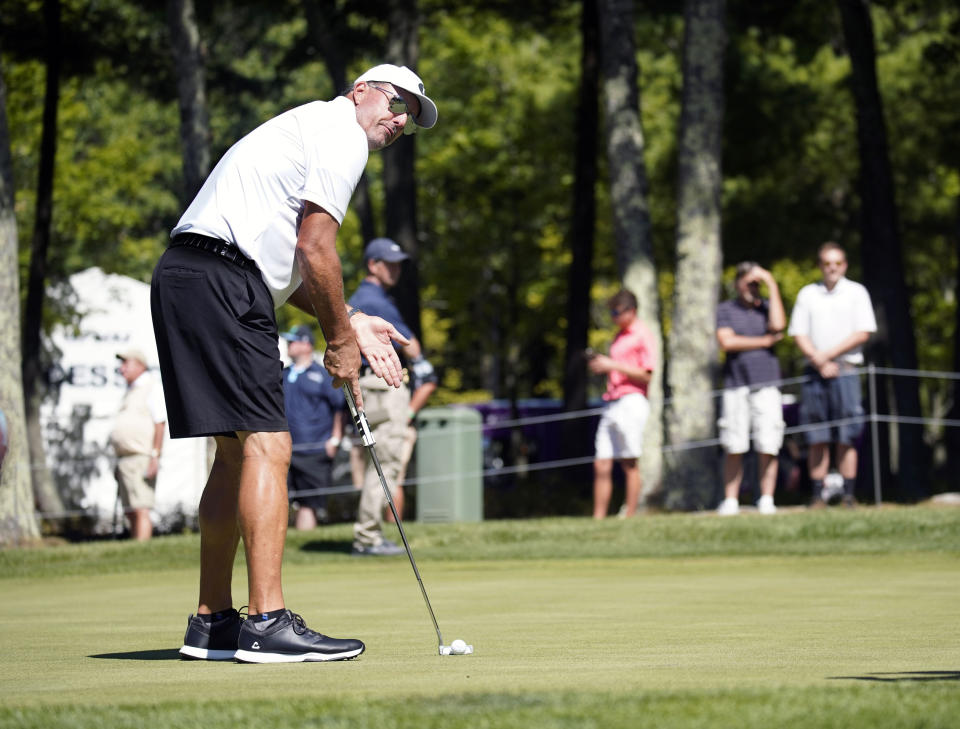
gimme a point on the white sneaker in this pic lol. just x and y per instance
(766, 506)
(728, 507)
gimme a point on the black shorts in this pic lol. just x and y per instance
(309, 474)
(828, 400)
(217, 344)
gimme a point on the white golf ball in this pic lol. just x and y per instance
(458, 647)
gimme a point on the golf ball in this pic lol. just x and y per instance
(458, 647)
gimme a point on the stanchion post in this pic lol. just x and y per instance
(874, 435)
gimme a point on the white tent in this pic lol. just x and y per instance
(87, 390)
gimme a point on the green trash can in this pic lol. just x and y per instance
(449, 465)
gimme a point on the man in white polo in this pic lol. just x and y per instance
(263, 230)
(831, 322)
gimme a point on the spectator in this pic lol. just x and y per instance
(137, 439)
(261, 231)
(314, 410)
(620, 432)
(747, 328)
(831, 322)
(390, 412)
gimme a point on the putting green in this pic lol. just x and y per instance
(563, 625)
(742, 640)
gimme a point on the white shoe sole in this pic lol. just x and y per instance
(257, 657)
(205, 654)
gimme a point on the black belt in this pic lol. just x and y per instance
(218, 247)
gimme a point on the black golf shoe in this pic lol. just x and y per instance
(287, 639)
(214, 640)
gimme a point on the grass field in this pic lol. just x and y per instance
(830, 619)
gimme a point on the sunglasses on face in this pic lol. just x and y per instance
(397, 105)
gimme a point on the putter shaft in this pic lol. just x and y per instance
(360, 420)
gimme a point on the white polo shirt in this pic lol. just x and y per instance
(254, 197)
(829, 317)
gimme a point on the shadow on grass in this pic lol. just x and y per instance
(325, 547)
(897, 676)
(163, 654)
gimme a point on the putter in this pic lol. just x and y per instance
(360, 420)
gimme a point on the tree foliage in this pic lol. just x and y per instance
(494, 177)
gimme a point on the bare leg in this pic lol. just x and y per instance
(141, 527)
(262, 506)
(732, 475)
(631, 471)
(305, 519)
(768, 474)
(847, 461)
(602, 486)
(219, 533)
(818, 460)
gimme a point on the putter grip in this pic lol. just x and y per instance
(359, 419)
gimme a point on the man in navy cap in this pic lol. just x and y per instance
(390, 411)
(314, 410)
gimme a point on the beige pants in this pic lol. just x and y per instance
(386, 410)
(136, 490)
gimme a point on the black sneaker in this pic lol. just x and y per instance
(287, 639)
(212, 641)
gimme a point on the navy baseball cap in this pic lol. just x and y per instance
(383, 249)
(302, 333)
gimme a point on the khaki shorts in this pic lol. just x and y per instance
(136, 490)
(751, 414)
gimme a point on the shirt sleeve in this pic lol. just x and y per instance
(643, 351)
(335, 159)
(800, 316)
(156, 404)
(866, 320)
(723, 316)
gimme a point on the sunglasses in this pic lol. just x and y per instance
(397, 105)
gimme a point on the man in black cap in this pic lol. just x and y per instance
(390, 412)
(314, 410)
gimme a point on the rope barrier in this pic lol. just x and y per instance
(524, 422)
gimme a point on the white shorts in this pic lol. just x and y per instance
(747, 414)
(620, 433)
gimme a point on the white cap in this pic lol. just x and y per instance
(404, 78)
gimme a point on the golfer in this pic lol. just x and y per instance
(261, 231)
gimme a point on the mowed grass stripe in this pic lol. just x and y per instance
(864, 531)
(623, 625)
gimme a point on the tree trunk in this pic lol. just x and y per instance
(45, 494)
(577, 434)
(629, 197)
(880, 244)
(399, 181)
(953, 433)
(693, 472)
(580, 275)
(191, 89)
(17, 521)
